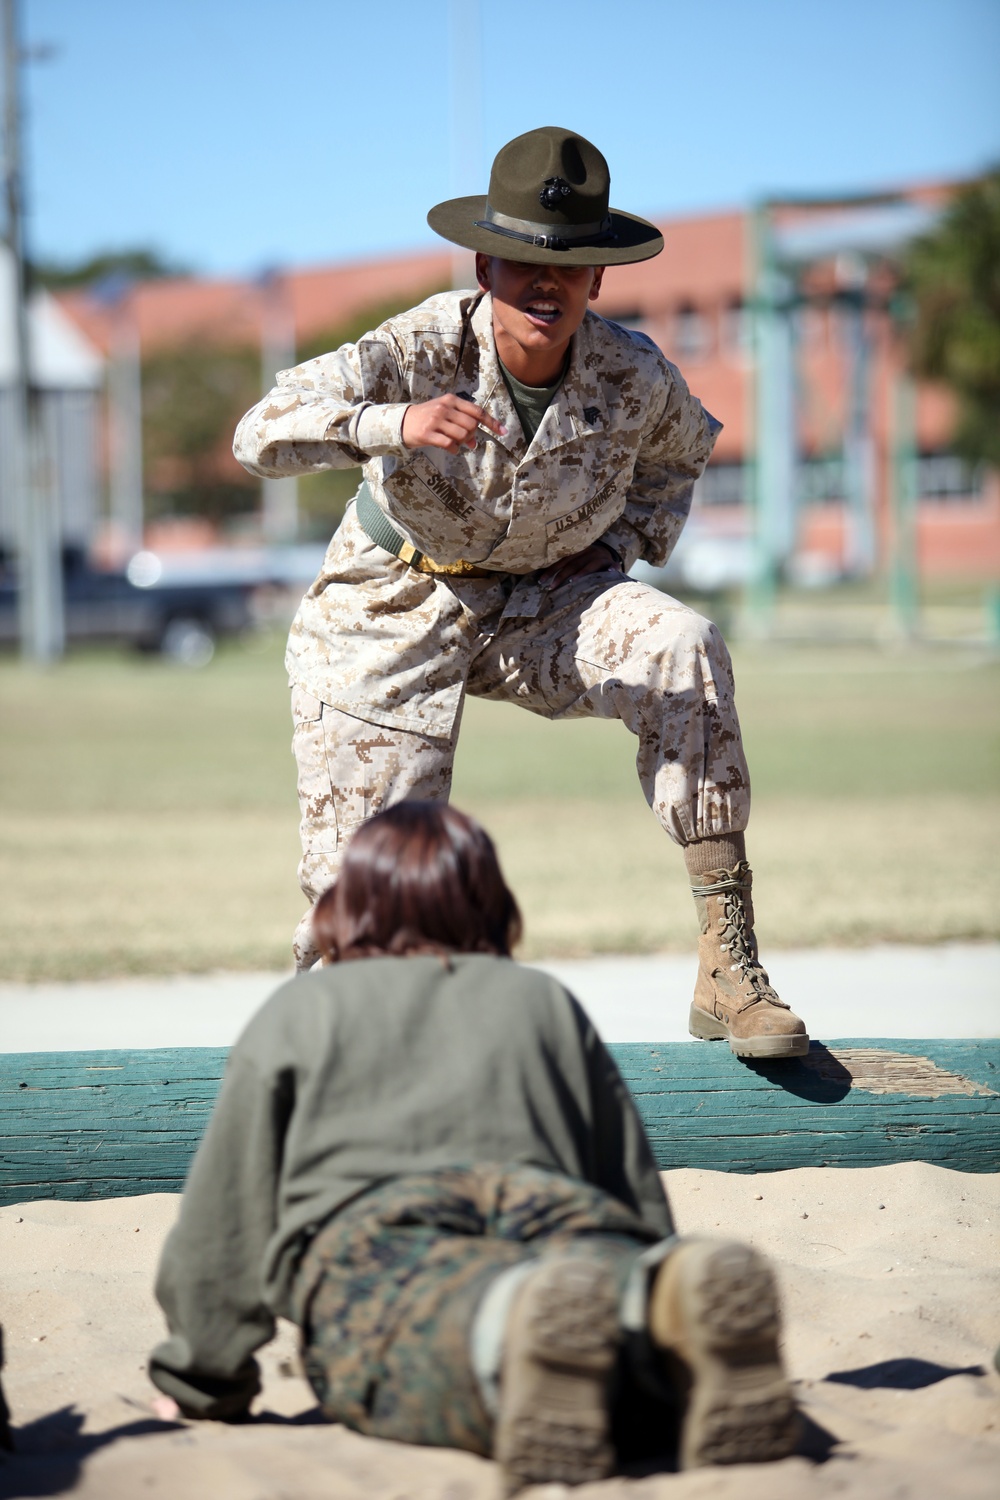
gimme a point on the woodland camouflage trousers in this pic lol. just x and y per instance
(626, 651)
(387, 1292)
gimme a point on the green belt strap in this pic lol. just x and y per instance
(379, 529)
(377, 526)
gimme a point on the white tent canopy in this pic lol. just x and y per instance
(68, 371)
(62, 358)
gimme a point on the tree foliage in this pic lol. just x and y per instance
(954, 278)
(193, 395)
(361, 322)
(323, 497)
(142, 264)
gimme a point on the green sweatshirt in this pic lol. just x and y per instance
(357, 1073)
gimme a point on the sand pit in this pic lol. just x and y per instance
(892, 1295)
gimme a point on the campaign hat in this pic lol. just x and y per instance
(548, 204)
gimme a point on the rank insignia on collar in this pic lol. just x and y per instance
(591, 414)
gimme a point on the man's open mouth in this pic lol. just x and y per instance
(543, 313)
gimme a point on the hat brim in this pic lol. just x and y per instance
(635, 238)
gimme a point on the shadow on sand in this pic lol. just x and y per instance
(48, 1454)
(901, 1375)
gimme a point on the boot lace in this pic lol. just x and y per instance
(736, 938)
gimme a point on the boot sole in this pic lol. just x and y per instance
(715, 1307)
(710, 1029)
(562, 1341)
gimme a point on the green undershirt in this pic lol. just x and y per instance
(531, 402)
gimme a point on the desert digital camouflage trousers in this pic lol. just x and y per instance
(387, 1293)
(602, 646)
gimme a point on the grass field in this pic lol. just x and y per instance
(148, 817)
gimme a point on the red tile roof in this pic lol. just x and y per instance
(704, 265)
(190, 309)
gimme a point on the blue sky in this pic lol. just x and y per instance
(237, 134)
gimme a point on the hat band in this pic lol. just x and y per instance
(541, 235)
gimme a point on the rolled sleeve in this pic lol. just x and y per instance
(379, 429)
(332, 412)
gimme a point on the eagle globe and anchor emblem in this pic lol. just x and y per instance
(554, 189)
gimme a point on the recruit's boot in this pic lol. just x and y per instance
(733, 997)
(713, 1313)
(560, 1346)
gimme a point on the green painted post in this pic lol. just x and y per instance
(991, 608)
(858, 448)
(904, 592)
(760, 588)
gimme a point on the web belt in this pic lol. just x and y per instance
(377, 526)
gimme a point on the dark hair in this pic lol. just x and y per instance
(420, 877)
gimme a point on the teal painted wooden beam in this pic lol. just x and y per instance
(82, 1125)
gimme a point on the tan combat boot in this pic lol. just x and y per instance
(733, 997)
(561, 1344)
(713, 1312)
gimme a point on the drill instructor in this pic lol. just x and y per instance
(519, 454)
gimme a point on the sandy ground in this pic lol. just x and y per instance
(892, 1295)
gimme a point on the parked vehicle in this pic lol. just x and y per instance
(703, 563)
(177, 608)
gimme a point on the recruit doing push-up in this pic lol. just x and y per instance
(519, 454)
(423, 1155)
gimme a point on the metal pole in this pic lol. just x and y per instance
(859, 456)
(774, 462)
(466, 26)
(125, 391)
(279, 497)
(760, 584)
(40, 596)
(782, 434)
(904, 595)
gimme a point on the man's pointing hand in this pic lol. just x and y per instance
(447, 422)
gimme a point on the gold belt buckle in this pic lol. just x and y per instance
(424, 564)
(458, 569)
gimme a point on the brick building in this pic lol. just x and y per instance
(693, 300)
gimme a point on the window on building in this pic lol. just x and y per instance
(722, 484)
(692, 336)
(821, 480)
(943, 476)
(629, 320)
(736, 330)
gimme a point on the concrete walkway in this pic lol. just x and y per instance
(887, 991)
